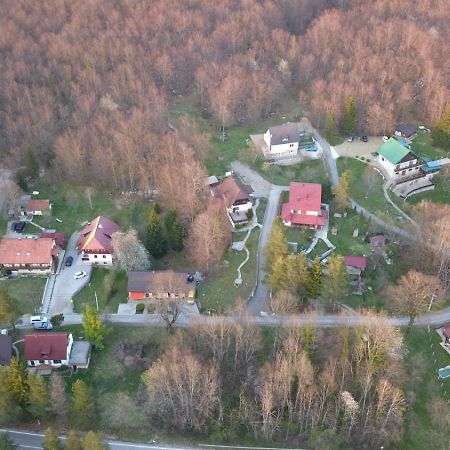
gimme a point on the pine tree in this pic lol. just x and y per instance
(58, 397)
(38, 403)
(82, 411)
(73, 441)
(277, 245)
(18, 381)
(330, 131)
(335, 284)
(51, 441)
(10, 410)
(315, 278)
(31, 162)
(441, 132)
(92, 441)
(94, 328)
(342, 191)
(278, 273)
(8, 310)
(296, 273)
(174, 231)
(156, 241)
(350, 118)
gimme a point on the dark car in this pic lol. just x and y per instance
(69, 261)
(365, 139)
(19, 227)
(14, 225)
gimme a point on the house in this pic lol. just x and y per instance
(355, 265)
(237, 197)
(406, 131)
(95, 243)
(29, 255)
(160, 284)
(282, 140)
(49, 349)
(36, 207)
(399, 161)
(446, 333)
(304, 207)
(5, 349)
(56, 236)
(212, 181)
(377, 240)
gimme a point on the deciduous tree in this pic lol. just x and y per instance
(82, 408)
(51, 441)
(277, 245)
(58, 397)
(342, 191)
(38, 402)
(18, 381)
(315, 278)
(10, 409)
(335, 283)
(331, 131)
(94, 329)
(349, 122)
(92, 441)
(129, 252)
(73, 441)
(283, 302)
(441, 132)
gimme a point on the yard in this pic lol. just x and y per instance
(111, 289)
(75, 205)
(26, 291)
(319, 249)
(423, 145)
(218, 290)
(301, 235)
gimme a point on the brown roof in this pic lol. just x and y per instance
(57, 236)
(38, 205)
(159, 281)
(96, 236)
(26, 251)
(5, 349)
(232, 189)
(287, 133)
(46, 346)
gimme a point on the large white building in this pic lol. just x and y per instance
(282, 140)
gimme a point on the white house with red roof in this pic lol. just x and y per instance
(304, 207)
(95, 243)
(50, 349)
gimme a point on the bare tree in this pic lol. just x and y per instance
(283, 302)
(169, 310)
(129, 252)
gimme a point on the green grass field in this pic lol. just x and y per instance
(26, 292)
(302, 236)
(111, 289)
(423, 144)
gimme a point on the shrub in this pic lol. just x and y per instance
(250, 214)
(140, 308)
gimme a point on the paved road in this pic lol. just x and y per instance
(30, 440)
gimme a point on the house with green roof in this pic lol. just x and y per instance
(399, 161)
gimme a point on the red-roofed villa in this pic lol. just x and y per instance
(304, 207)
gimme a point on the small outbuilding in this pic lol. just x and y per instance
(405, 130)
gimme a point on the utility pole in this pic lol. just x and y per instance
(96, 299)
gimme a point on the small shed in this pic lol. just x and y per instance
(405, 130)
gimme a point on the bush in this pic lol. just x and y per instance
(250, 214)
(140, 308)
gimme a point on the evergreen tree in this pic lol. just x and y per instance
(82, 411)
(10, 410)
(278, 273)
(331, 131)
(296, 273)
(156, 241)
(6, 443)
(8, 310)
(38, 404)
(277, 245)
(92, 441)
(73, 441)
(350, 118)
(441, 132)
(51, 441)
(335, 285)
(31, 162)
(21, 180)
(95, 330)
(174, 231)
(18, 381)
(342, 191)
(58, 397)
(315, 278)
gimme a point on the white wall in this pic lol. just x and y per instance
(96, 259)
(243, 207)
(284, 149)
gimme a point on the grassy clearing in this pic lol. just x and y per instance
(423, 429)
(302, 236)
(423, 144)
(111, 289)
(218, 290)
(26, 292)
(71, 205)
(318, 250)
(441, 194)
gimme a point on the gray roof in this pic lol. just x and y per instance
(5, 349)
(80, 354)
(158, 280)
(288, 133)
(405, 129)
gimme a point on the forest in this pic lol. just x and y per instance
(86, 85)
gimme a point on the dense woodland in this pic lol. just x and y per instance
(86, 85)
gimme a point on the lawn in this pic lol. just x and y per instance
(423, 428)
(423, 145)
(26, 292)
(218, 290)
(301, 235)
(111, 289)
(319, 249)
(72, 206)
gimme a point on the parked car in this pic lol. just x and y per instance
(38, 319)
(20, 227)
(385, 138)
(43, 326)
(423, 128)
(365, 138)
(351, 139)
(14, 225)
(80, 274)
(69, 261)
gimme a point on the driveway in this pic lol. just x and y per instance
(359, 148)
(61, 287)
(261, 186)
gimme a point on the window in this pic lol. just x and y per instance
(104, 256)
(291, 145)
(31, 363)
(57, 361)
(41, 361)
(95, 256)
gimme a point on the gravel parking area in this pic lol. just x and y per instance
(359, 148)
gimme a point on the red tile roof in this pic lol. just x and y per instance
(40, 346)
(38, 205)
(58, 237)
(231, 190)
(305, 196)
(96, 236)
(360, 262)
(302, 219)
(26, 251)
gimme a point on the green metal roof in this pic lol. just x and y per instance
(393, 151)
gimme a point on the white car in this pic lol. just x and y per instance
(424, 128)
(78, 275)
(385, 138)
